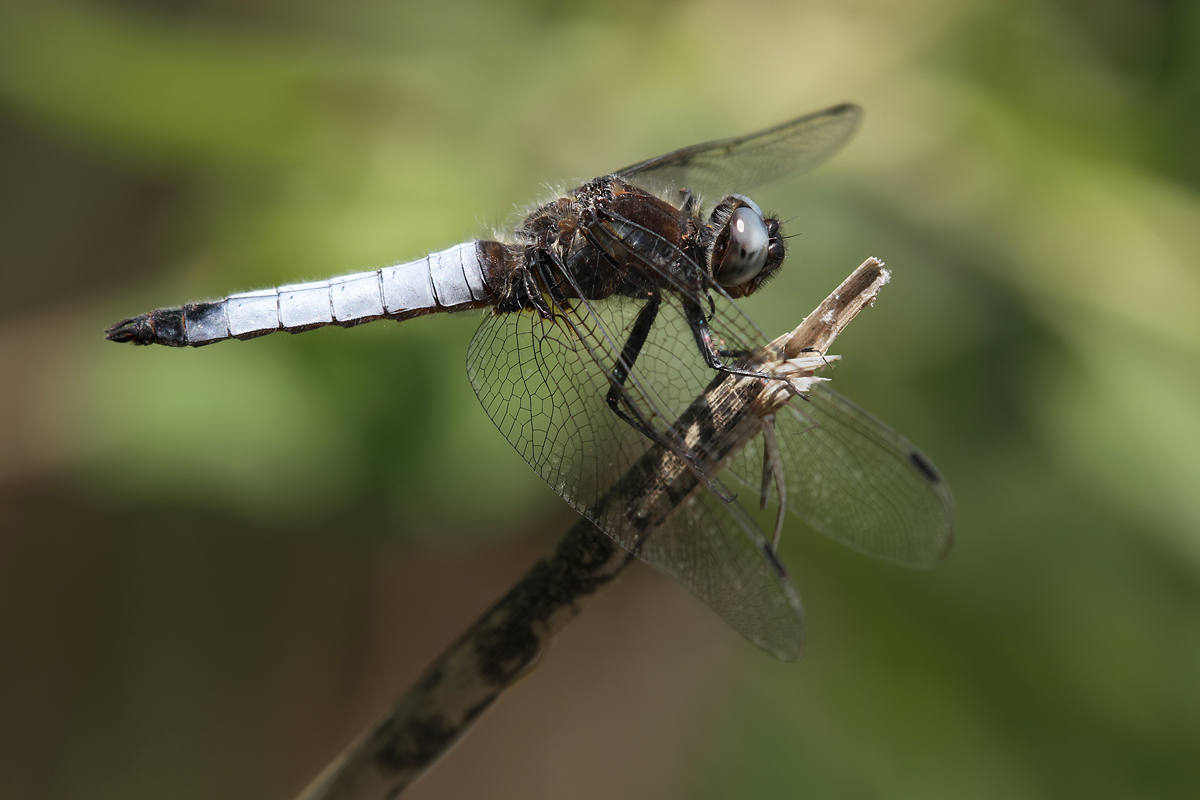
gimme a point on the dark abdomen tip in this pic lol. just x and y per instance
(134, 329)
(157, 327)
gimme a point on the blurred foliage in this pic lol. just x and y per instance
(1027, 168)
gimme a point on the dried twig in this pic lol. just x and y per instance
(508, 640)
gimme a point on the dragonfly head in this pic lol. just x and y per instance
(747, 248)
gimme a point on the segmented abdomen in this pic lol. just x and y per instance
(449, 280)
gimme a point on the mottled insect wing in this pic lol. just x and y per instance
(856, 480)
(738, 165)
(544, 383)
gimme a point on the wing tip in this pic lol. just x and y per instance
(851, 112)
(945, 541)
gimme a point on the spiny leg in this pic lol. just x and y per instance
(547, 255)
(620, 373)
(629, 353)
(773, 468)
(526, 294)
(710, 352)
(617, 393)
(642, 325)
(595, 243)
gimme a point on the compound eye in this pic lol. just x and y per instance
(746, 249)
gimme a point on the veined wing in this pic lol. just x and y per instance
(856, 480)
(740, 164)
(545, 382)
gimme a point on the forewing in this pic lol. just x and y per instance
(856, 480)
(544, 384)
(715, 169)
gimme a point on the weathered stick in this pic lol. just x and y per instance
(508, 640)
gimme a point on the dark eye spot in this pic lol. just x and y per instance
(924, 467)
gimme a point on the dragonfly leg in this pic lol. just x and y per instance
(617, 393)
(764, 491)
(712, 355)
(526, 295)
(546, 257)
(640, 331)
(595, 243)
(708, 349)
(629, 353)
(773, 469)
(532, 294)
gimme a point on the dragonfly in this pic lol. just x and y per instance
(609, 309)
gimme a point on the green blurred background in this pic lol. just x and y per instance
(217, 566)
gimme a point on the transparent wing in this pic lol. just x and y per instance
(704, 547)
(544, 383)
(856, 480)
(715, 169)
